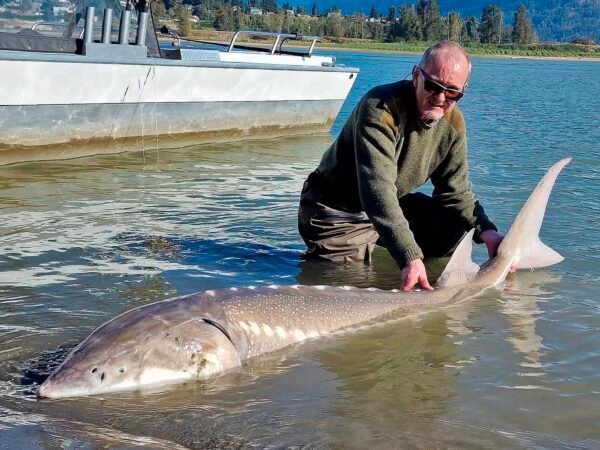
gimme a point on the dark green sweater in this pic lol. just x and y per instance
(384, 151)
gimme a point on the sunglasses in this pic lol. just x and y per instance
(433, 87)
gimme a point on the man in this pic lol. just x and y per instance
(399, 136)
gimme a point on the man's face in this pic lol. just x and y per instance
(443, 70)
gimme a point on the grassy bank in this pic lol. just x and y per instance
(534, 50)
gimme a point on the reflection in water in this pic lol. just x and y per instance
(382, 272)
(21, 429)
(404, 366)
(520, 304)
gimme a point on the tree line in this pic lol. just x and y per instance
(417, 22)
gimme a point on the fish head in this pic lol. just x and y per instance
(107, 362)
(88, 373)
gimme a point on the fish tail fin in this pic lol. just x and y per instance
(522, 242)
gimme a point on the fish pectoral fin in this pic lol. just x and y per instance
(461, 268)
(537, 254)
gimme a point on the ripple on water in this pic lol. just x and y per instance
(84, 240)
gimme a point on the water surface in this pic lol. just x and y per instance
(84, 240)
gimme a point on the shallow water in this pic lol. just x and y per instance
(84, 240)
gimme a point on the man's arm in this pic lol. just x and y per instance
(453, 189)
(375, 138)
(375, 141)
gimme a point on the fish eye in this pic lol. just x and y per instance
(94, 370)
(122, 370)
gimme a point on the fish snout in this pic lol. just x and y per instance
(43, 391)
(48, 389)
(70, 381)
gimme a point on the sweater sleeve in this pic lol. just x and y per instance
(452, 188)
(375, 134)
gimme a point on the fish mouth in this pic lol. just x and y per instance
(52, 389)
(45, 390)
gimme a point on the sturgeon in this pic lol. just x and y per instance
(207, 334)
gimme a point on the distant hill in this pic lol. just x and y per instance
(553, 20)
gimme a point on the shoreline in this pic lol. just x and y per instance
(471, 55)
(224, 37)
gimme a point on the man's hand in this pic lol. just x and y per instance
(414, 273)
(492, 240)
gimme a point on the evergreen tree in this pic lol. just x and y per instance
(158, 10)
(408, 27)
(269, 5)
(469, 33)
(224, 19)
(522, 32)
(518, 32)
(238, 22)
(313, 11)
(420, 9)
(391, 13)
(530, 36)
(454, 27)
(432, 23)
(376, 30)
(182, 15)
(334, 26)
(285, 25)
(490, 28)
(356, 26)
(273, 23)
(374, 14)
(256, 22)
(201, 11)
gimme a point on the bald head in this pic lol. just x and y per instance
(451, 52)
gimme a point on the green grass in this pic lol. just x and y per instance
(533, 50)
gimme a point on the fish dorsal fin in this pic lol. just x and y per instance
(537, 254)
(460, 269)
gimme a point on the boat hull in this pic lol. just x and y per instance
(71, 106)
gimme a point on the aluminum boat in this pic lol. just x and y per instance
(101, 83)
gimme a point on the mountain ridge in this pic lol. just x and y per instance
(553, 20)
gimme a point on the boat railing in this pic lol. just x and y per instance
(280, 39)
(167, 31)
(48, 24)
(52, 27)
(59, 25)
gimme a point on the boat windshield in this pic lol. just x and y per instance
(57, 25)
